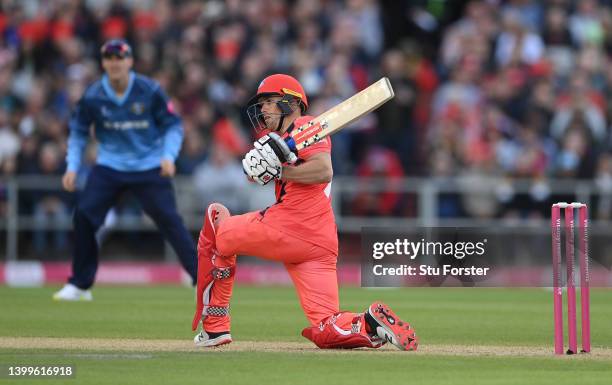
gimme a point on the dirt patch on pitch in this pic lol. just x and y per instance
(140, 345)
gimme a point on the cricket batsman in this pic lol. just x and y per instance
(299, 230)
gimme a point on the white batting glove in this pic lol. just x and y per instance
(260, 168)
(275, 149)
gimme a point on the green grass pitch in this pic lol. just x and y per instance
(142, 335)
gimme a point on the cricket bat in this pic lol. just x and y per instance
(341, 115)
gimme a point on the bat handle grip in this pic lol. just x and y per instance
(291, 143)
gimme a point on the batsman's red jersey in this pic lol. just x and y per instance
(304, 211)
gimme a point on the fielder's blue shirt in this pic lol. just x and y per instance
(134, 132)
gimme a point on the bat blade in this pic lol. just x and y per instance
(341, 115)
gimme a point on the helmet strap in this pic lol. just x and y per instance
(280, 123)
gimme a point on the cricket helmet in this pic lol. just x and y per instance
(278, 84)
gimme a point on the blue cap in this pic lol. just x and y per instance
(116, 47)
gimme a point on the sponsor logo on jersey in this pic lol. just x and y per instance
(105, 111)
(127, 125)
(137, 108)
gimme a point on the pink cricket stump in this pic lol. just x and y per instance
(557, 286)
(584, 278)
(571, 288)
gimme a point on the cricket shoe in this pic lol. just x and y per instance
(210, 340)
(389, 327)
(72, 293)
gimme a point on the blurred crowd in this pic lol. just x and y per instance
(512, 89)
(525, 93)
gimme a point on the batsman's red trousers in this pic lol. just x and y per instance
(311, 267)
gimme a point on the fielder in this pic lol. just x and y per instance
(139, 136)
(299, 230)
